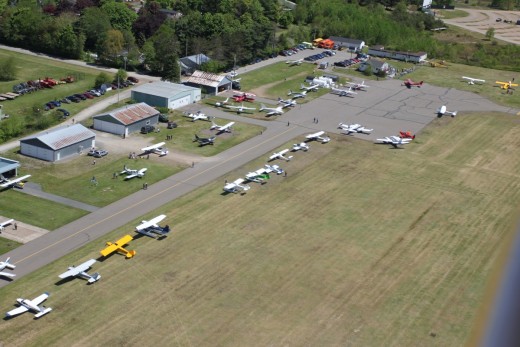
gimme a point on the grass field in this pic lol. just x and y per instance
(360, 245)
(7, 245)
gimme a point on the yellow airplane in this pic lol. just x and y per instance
(506, 85)
(118, 247)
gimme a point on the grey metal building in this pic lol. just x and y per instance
(166, 94)
(8, 167)
(59, 143)
(126, 120)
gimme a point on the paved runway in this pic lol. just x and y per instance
(387, 107)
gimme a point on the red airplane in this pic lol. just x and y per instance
(240, 97)
(409, 83)
(406, 135)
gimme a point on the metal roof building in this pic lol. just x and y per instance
(59, 143)
(8, 167)
(192, 62)
(210, 83)
(351, 44)
(166, 94)
(127, 119)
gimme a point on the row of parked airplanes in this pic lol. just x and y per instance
(149, 228)
(260, 175)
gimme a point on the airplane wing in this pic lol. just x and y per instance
(150, 148)
(11, 182)
(109, 250)
(38, 300)
(7, 274)
(7, 222)
(131, 176)
(142, 171)
(151, 223)
(78, 269)
(17, 311)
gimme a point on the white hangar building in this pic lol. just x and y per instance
(127, 119)
(166, 94)
(59, 143)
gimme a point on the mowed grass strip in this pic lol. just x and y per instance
(359, 245)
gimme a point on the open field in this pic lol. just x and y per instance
(7, 245)
(360, 245)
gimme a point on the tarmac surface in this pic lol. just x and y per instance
(387, 106)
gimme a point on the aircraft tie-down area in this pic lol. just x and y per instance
(236, 186)
(259, 176)
(359, 86)
(320, 136)
(198, 116)
(7, 265)
(118, 247)
(222, 128)
(17, 182)
(302, 146)
(343, 92)
(81, 272)
(271, 111)
(131, 173)
(280, 155)
(395, 141)
(203, 141)
(354, 128)
(157, 149)
(152, 229)
(31, 305)
(472, 80)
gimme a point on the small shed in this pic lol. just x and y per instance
(210, 83)
(127, 119)
(58, 144)
(353, 45)
(192, 62)
(8, 168)
(166, 94)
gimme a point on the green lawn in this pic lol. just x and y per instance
(7, 245)
(360, 245)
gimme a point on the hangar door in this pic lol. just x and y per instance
(186, 100)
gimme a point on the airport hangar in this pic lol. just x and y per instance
(166, 94)
(59, 143)
(127, 119)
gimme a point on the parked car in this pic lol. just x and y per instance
(49, 106)
(147, 129)
(97, 153)
(172, 125)
(94, 92)
(64, 112)
(80, 96)
(65, 101)
(133, 79)
(88, 95)
(163, 118)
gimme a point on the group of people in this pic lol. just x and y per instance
(132, 155)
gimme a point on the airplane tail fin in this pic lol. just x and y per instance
(262, 107)
(130, 254)
(454, 113)
(413, 137)
(196, 138)
(420, 83)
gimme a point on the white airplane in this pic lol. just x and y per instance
(287, 103)
(300, 146)
(81, 271)
(222, 103)
(221, 128)
(197, 116)
(133, 173)
(241, 108)
(157, 149)
(318, 137)
(395, 141)
(271, 111)
(296, 95)
(473, 80)
(6, 223)
(354, 128)
(343, 92)
(273, 168)
(280, 155)
(236, 186)
(31, 305)
(294, 62)
(258, 176)
(151, 228)
(17, 182)
(442, 111)
(358, 86)
(6, 264)
(311, 88)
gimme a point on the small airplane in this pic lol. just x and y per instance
(17, 182)
(6, 223)
(271, 111)
(311, 88)
(203, 141)
(280, 155)
(242, 96)
(274, 168)
(133, 173)
(236, 186)
(358, 86)
(441, 111)
(258, 176)
(222, 103)
(296, 95)
(294, 62)
(31, 305)
(343, 92)
(241, 108)
(473, 80)
(354, 128)
(506, 85)
(151, 228)
(409, 84)
(221, 128)
(287, 103)
(197, 116)
(406, 135)
(318, 137)
(6, 264)
(395, 141)
(81, 271)
(118, 247)
(157, 149)
(300, 146)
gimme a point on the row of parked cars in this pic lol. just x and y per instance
(347, 62)
(319, 56)
(293, 50)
